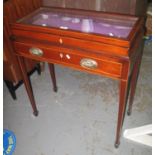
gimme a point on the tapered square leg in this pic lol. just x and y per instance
(52, 73)
(133, 83)
(27, 84)
(121, 110)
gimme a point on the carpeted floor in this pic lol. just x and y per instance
(80, 119)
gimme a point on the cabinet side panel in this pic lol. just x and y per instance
(12, 11)
(141, 7)
(133, 7)
(117, 6)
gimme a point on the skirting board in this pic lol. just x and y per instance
(141, 134)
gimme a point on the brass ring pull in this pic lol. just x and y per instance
(88, 63)
(36, 51)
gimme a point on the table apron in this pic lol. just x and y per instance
(73, 58)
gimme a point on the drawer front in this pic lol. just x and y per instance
(71, 58)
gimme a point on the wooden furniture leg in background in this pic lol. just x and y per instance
(52, 73)
(27, 84)
(11, 89)
(38, 68)
(133, 84)
(121, 110)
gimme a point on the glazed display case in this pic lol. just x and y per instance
(95, 42)
(101, 25)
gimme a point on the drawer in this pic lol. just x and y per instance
(70, 57)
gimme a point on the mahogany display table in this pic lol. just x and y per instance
(95, 42)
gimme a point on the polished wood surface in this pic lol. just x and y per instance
(107, 66)
(121, 109)
(134, 77)
(107, 56)
(12, 11)
(133, 7)
(52, 73)
(27, 85)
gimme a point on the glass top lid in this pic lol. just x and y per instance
(114, 27)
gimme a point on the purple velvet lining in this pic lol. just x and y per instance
(65, 21)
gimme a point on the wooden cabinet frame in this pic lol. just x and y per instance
(117, 58)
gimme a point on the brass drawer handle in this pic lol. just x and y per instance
(36, 51)
(88, 63)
